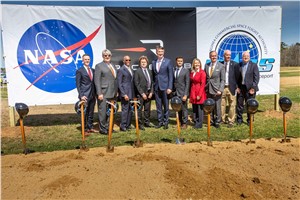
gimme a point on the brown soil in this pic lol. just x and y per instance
(267, 169)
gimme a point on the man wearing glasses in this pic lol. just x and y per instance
(126, 88)
(106, 87)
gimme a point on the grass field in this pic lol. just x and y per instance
(50, 132)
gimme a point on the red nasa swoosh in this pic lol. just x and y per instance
(136, 49)
(80, 45)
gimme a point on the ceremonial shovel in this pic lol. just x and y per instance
(83, 146)
(138, 142)
(110, 149)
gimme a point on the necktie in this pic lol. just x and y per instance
(225, 63)
(176, 74)
(90, 73)
(147, 78)
(112, 70)
(211, 70)
(158, 65)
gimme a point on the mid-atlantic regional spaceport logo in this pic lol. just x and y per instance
(50, 52)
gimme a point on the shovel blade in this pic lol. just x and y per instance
(138, 143)
(110, 149)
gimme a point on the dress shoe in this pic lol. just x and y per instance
(103, 132)
(217, 125)
(183, 126)
(148, 125)
(123, 129)
(141, 127)
(159, 125)
(166, 126)
(239, 123)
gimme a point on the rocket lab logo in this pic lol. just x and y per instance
(50, 52)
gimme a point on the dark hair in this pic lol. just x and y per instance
(179, 57)
(143, 58)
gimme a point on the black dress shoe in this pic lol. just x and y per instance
(123, 129)
(103, 132)
(148, 125)
(159, 125)
(141, 127)
(166, 126)
(217, 125)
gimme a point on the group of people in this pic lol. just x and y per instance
(225, 82)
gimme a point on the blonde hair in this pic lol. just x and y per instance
(193, 64)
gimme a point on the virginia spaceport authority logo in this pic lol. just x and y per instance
(50, 52)
(239, 38)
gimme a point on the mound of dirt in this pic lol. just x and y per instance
(267, 169)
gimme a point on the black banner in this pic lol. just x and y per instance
(137, 31)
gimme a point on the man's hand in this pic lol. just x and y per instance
(100, 97)
(126, 97)
(84, 98)
(144, 96)
(252, 91)
(219, 93)
(150, 95)
(238, 90)
(169, 91)
(184, 98)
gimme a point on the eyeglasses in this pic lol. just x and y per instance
(107, 55)
(128, 60)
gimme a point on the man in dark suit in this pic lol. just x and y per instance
(181, 89)
(229, 94)
(247, 85)
(126, 91)
(163, 83)
(86, 92)
(144, 84)
(106, 87)
(215, 81)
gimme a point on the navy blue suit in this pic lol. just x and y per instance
(163, 80)
(126, 87)
(85, 87)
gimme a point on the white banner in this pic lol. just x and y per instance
(253, 29)
(43, 46)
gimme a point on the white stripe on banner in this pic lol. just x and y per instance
(253, 29)
(43, 46)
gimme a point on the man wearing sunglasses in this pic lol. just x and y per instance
(106, 87)
(126, 91)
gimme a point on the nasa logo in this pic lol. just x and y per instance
(50, 52)
(239, 41)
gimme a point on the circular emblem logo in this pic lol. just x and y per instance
(50, 52)
(237, 43)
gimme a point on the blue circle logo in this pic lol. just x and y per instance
(50, 52)
(237, 43)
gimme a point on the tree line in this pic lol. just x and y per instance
(290, 55)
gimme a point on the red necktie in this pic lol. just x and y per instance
(90, 73)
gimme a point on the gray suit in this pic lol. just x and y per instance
(107, 85)
(182, 88)
(215, 83)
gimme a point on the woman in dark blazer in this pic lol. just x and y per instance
(197, 93)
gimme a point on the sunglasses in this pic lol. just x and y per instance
(128, 60)
(107, 55)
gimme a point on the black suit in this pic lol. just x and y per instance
(182, 88)
(142, 87)
(85, 87)
(251, 80)
(126, 87)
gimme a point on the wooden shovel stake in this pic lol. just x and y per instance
(83, 146)
(138, 142)
(23, 135)
(251, 127)
(178, 125)
(209, 143)
(82, 122)
(110, 129)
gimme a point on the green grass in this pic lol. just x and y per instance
(62, 132)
